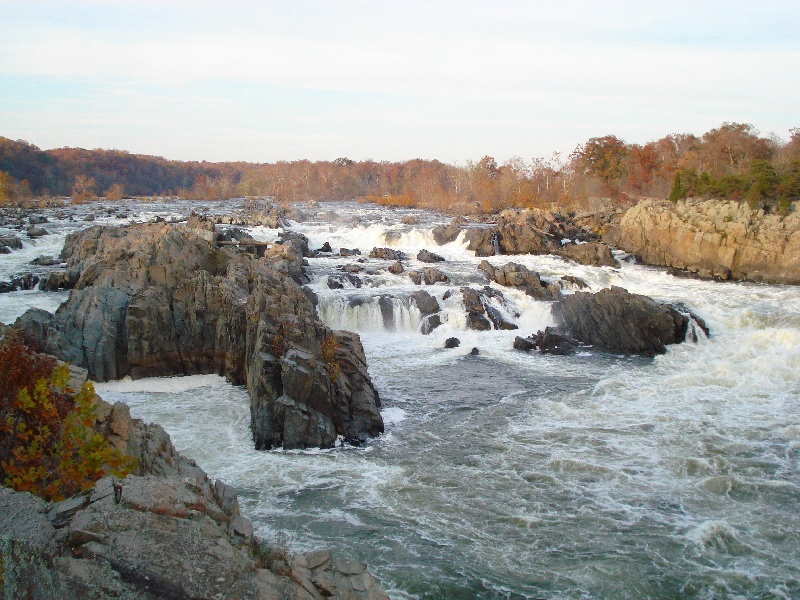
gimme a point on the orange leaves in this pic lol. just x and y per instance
(329, 348)
(47, 445)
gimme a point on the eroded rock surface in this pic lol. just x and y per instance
(617, 321)
(168, 532)
(157, 300)
(713, 238)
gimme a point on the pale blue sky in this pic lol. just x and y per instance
(267, 81)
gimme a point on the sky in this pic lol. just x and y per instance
(390, 80)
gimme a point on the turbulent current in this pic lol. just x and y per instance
(514, 475)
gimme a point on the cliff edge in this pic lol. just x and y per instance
(712, 238)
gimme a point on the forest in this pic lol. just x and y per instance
(733, 161)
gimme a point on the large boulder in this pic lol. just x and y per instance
(617, 321)
(540, 232)
(444, 234)
(387, 254)
(427, 256)
(713, 238)
(519, 276)
(158, 300)
(593, 254)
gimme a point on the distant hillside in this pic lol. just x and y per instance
(54, 172)
(731, 162)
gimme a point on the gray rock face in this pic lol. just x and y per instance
(549, 341)
(387, 254)
(444, 234)
(481, 315)
(156, 300)
(432, 275)
(172, 534)
(592, 254)
(10, 241)
(426, 303)
(429, 257)
(539, 232)
(617, 321)
(519, 276)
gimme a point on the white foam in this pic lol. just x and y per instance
(165, 385)
(393, 416)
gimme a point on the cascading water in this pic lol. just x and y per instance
(514, 475)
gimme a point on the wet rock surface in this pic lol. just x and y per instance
(519, 276)
(617, 321)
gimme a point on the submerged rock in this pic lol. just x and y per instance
(549, 341)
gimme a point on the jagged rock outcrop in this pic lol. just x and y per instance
(713, 238)
(156, 300)
(519, 276)
(592, 254)
(387, 254)
(481, 314)
(617, 321)
(444, 234)
(427, 256)
(540, 232)
(168, 532)
(429, 308)
(549, 341)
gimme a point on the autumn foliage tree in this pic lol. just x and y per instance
(47, 444)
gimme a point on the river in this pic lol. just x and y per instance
(514, 475)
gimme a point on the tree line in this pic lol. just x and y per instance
(732, 161)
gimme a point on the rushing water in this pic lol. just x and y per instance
(513, 475)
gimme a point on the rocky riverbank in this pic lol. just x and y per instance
(712, 238)
(159, 299)
(166, 532)
(533, 231)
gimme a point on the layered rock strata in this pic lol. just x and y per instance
(713, 238)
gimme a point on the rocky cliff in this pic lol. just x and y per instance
(159, 299)
(713, 238)
(167, 532)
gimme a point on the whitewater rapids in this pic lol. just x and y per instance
(514, 475)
